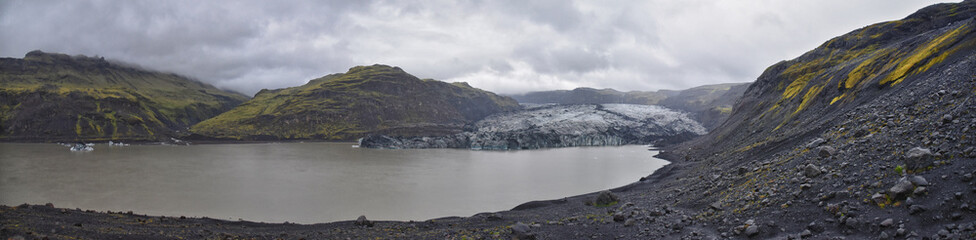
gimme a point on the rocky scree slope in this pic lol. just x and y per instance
(365, 100)
(56, 97)
(708, 104)
(560, 126)
(868, 135)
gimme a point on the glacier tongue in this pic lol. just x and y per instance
(560, 126)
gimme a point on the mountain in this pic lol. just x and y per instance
(899, 63)
(870, 135)
(56, 97)
(708, 104)
(365, 100)
(560, 126)
(594, 96)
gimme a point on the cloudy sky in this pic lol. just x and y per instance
(498, 45)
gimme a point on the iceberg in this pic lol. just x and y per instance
(78, 147)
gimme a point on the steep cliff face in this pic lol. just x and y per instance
(366, 99)
(560, 126)
(56, 97)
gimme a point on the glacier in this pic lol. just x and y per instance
(551, 126)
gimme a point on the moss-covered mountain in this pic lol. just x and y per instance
(828, 141)
(896, 58)
(708, 104)
(56, 97)
(366, 99)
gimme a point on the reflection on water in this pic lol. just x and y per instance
(308, 182)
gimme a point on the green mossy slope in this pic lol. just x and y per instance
(56, 97)
(849, 70)
(366, 99)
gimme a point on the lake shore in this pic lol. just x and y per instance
(569, 217)
(38, 221)
(663, 205)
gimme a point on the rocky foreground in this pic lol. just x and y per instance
(550, 126)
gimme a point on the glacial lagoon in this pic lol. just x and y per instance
(308, 182)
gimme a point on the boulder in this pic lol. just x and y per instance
(619, 216)
(918, 158)
(752, 230)
(920, 190)
(915, 209)
(826, 151)
(919, 180)
(851, 223)
(717, 206)
(878, 198)
(816, 143)
(901, 189)
(363, 222)
(888, 222)
(811, 171)
(606, 198)
(522, 231)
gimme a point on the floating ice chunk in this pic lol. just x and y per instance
(82, 147)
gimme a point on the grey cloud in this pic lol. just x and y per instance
(503, 46)
(559, 14)
(557, 60)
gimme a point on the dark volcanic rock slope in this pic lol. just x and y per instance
(56, 97)
(365, 100)
(873, 125)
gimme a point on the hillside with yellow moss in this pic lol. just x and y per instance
(870, 136)
(375, 99)
(847, 71)
(56, 97)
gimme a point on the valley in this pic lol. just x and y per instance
(867, 136)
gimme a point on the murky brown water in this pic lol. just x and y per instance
(308, 182)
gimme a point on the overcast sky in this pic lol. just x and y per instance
(503, 46)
